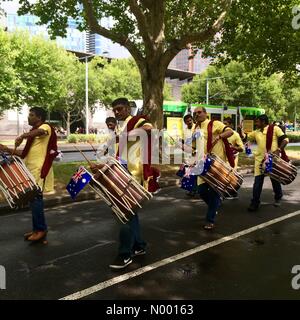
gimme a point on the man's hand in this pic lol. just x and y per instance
(277, 152)
(94, 167)
(18, 141)
(3, 148)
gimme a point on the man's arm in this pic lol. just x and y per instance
(283, 140)
(31, 134)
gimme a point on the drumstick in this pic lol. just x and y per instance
(92, 147)
(88, 161)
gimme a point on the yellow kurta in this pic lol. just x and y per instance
(218, 149)
(260, 137)
(236, 141)
(133, 155)
(35, 159)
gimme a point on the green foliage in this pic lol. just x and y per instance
(72, 138)
(260, 33)
(119, 78)
(293, 137)
(239, 87)
(83, 138)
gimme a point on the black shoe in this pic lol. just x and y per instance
(140, 252)
(277, 203)
(253, 207)
(120, 263)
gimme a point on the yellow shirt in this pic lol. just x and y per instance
(35, 159)
(132, 154)
(260, 137)
(236, 141)
(218, 149)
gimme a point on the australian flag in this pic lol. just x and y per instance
(78, 181)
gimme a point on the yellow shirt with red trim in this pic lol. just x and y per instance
(236, 141)
(133, 153)
(35, 159)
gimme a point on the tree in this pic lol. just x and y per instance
(236, 86)
(40, 68)
(153, 31)
(8, 77)
(261, 33)
(119, 78)
(71, 104)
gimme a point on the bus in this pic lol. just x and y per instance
(174, 111)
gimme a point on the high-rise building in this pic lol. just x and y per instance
(75, 40)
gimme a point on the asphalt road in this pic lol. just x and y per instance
(255, 264)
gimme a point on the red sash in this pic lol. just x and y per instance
(228, 150)
(269, 140)
(150, 174)
(51, 151)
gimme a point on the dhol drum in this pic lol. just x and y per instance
(119, 189)
(225, 180)
(16, 182)
(280, 170)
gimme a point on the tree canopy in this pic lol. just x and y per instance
(234, 85)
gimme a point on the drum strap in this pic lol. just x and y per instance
(150, 174)
(269, 140)
(228, 150)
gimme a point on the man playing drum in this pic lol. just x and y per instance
(38, 154)
(131, 243)
(261, 135)
(217, 131)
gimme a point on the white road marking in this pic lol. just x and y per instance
(108, 283)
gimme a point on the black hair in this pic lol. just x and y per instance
(263, 118)
(122, 101)
(111, 119)
(39, 112)
(187, 117)
(229, 120)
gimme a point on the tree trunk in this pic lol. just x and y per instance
(68, 123)
(153, 86)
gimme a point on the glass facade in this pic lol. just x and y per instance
(186, 62)
(75, 40)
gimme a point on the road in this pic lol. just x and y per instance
(183, 261)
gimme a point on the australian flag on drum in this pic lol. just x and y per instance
(78, 181)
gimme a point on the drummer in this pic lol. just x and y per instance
(260, 136)
(38, 154)
(219, 133)
(131, 243)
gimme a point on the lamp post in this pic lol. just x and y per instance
(86, 91)
(207, 87)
